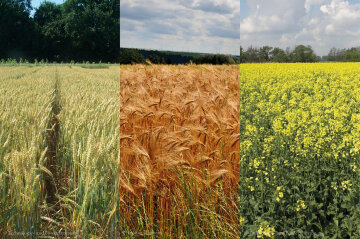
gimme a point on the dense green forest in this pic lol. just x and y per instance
(78, 30)
(131, 55)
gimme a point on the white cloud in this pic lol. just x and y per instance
(309, 3)
(334, 7)
(313, 21)
(341, 12)
(330, 29)
(354, 43)
(216, 6)
(196, 25)
(274, 15)
(354, 33)
(320, 23)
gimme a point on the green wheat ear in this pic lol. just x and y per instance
(85, 176)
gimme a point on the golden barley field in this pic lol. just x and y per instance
(59, 152)
(179, 151)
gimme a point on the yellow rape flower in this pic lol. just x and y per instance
(346, 185)
(265, 231)
(300, 205)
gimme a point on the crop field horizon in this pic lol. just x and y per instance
(179, 151)
(59, 152)
(300, 150)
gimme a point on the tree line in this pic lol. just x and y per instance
(139, 56)
(130, 55)
(78, 30)
(217, 59)
(350, 55)
(300, 53)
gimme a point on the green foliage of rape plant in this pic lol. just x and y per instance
(300, 150)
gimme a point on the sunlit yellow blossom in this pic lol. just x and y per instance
(265, 231)
(300, 204)
(256, 163)
(241, 221)
(346, 185)
(353, 166)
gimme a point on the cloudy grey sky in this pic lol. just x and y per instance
(320, 23)
(211, 26)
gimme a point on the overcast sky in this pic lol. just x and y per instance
(211, 26)
(320, 23)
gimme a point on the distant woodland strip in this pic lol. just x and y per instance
(144, 56)
(300, 53)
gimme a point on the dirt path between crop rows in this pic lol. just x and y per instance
(52, 138)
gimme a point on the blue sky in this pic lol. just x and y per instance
(285, 23)
(181, 25)
(36, 3)
(244, 9)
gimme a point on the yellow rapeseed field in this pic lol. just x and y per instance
(300, 150)
(179, 151)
